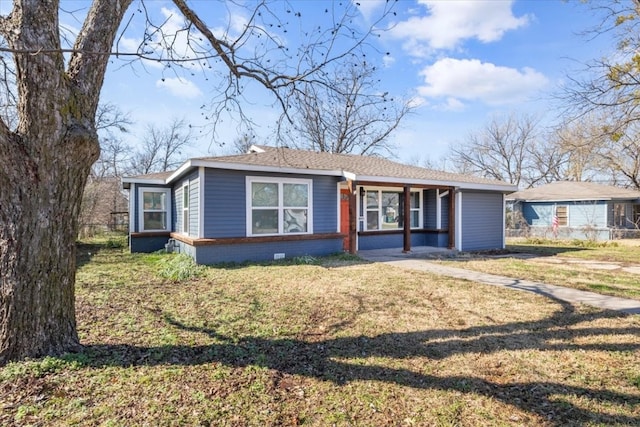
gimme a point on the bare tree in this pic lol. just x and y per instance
(243, 143)
(46, 158)
(620, 156)
(161, 148)
(610, 84)
(504, 149)
(102, 194)
(596, 147)
(111, 124)
(352, 115)
(576, 145)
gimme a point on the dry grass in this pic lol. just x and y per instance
(339, 342)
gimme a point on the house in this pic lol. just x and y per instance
(273, 203)
(581, 210)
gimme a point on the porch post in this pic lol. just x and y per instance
(452, 218)
(407, 219)
(353, 215)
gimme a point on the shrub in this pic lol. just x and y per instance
(180, 267)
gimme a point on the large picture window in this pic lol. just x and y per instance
(154, 209)
(278, 206)
(385, 209)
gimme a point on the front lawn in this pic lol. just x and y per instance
(334, 341)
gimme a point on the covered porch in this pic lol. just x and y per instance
(389, 215)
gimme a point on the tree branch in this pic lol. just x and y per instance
(97, 35)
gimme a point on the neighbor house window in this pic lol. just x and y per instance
(185, 208)
(278, 206)
(636, 215)
(385, 209)
(154, 208)
(562, 215)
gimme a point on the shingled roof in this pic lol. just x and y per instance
(573, 191)
(363, 168)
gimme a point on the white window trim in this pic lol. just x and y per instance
(185, 187)
(141, 191)
(201, 174)
(439, 197)
(132, 210)
(379, 208)
(280, 181)
(458, 220)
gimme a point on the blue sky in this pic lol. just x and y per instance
(461, 61)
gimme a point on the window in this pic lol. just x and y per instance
(636, 215)
(278, 206)
(185, 208)
(562, 215)
(385, 209)
(154, 211)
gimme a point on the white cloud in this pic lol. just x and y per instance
(472, 80)
(179, 87)
(388, 61)
(453, 104)
(128, 45)
(451, 22)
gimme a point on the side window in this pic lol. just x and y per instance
(154, 209)
(562, 215)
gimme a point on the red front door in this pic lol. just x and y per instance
(344, 218)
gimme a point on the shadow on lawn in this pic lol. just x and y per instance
(541, 250)
(328, 360)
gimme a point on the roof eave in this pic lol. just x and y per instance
(126, 182)
(505, 188)
(253, 168)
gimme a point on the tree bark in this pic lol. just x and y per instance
(44, 165)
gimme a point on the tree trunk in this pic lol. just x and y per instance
(44, 165)
(38, 211)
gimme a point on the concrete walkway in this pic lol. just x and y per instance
(416, 260)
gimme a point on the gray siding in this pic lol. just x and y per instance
(430, 210)
(325, 204)
(396, 240)
(147, 244)
(177, 202)
(444, 222)
(216, 254)
(430, 203)
(382, 241)
(482, 221)
(586, 220)
(582, 214)
(225, 202)
(538, 214)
